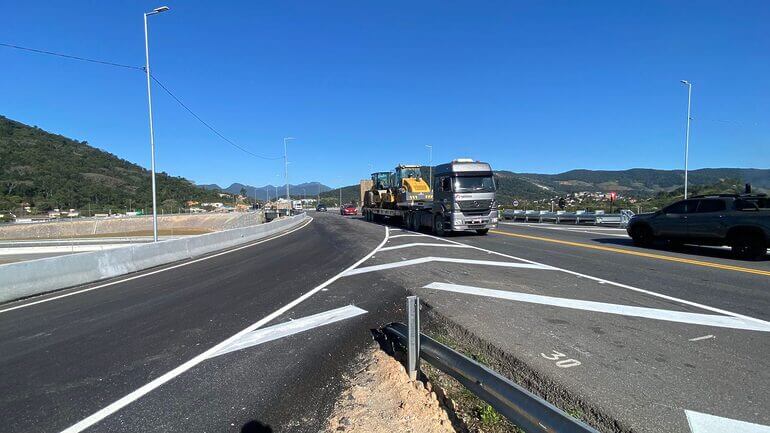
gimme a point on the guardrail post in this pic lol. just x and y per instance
(413, 347)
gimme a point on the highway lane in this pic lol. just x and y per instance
(64, 360)
(631, 342)
(734, 290)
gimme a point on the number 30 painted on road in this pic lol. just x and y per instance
(561, 363)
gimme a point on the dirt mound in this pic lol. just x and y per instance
(382, 399)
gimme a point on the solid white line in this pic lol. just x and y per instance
(421, 244)
(409, 235)
(140, 392)
(621, 285)
(442, 259)
(601, 307)
(705, 337)
(290, 328)
(76, 292)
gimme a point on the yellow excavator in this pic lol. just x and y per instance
(404, 188)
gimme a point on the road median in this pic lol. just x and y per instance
(34, 277)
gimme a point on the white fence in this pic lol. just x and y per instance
(562, 217)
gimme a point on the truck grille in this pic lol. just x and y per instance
(475, 205)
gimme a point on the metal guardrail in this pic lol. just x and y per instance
(528, 411)
(561, 217)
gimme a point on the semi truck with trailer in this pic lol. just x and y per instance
(461, 197)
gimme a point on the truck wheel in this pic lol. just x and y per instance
(413, 224)
(482, 232)
(642, 236)
(438, 226)
(748, 247)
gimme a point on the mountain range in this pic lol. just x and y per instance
(47, 170)
(309, 189)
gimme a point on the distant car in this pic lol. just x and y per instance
(739, 221)
(349, 209)
(320, 208)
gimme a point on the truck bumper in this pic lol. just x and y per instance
(473, 222)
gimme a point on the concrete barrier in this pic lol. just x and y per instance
(33, 277)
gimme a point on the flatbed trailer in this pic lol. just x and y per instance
(462, 199)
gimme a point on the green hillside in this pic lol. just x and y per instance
(51, 171)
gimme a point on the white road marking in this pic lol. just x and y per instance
(150, 386)
(705, 423)
(601, 307)
(410, 235)
(621, 285)
(290, 328)
(88, 289)
(442, 259)
(705, 337)
(422, 244)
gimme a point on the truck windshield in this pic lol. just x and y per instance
(474, 184)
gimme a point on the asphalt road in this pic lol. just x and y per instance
(662, 332)
(70, 358)
(621, 370)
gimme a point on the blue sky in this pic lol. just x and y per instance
(530, 86)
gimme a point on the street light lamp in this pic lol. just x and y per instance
(152, 132)
(687, 133)
(286, 165)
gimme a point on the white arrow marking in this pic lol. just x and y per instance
(600, 307)
(705, 423)
(289, 328)
(442, 259)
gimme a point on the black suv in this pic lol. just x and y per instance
(320, 208)
(739, 221)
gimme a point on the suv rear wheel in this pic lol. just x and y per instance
(642, 236)
(747, 246)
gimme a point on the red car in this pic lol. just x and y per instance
(348, 209)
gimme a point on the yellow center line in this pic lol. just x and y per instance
(638, 253)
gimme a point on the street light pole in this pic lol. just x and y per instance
(430, 165)
(687, 134)
(152, 132)
(286, 165)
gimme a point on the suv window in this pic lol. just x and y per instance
(680, 207)
(712, 205)
(741, 204)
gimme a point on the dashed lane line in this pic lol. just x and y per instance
(638, 253)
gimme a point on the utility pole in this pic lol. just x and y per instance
(152, 132)
(286, 165)
(687, 134)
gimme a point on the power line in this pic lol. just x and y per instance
(141, 68)
(67, 56)
(209, 126)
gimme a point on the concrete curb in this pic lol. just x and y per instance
(19, 280)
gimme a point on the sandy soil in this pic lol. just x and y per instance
(381, 399)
